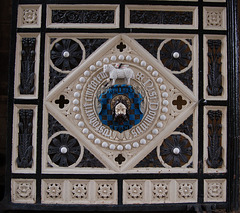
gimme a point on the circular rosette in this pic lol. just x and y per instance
(176, 150)
(64, 150)
(175, 55)
(66, 54)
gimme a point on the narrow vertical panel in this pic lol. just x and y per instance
(24, 139)
(27, 66)
(215, 139)
(215, 67)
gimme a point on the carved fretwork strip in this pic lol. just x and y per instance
(161, 17)
(214, 87)
(25, 147)
(27, 66)
(83, 16)
(214, 139)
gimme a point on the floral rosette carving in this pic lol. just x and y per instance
(54, 190)
(105, 191)
(24, 190)
(135, 191)
(160, 190)
(79, 190)
(185, 190)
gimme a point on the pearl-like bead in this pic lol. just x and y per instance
(136, 60)
(176, 151)
(121, 57)
(149, 137)
(143, 63)
(128, 147)
(163, 117)
(143, 141)
(120, 147)
(155, 73)
(97, 141)
(86, 73)
(99, 63)
(165, 109)
(128, 58)
(75, 109)
(149, 68)
(91, 136)
(163, 87)
(104, 144)
(85, 131)
(159, 124)
(63, 150)
(165, 95)
(75, 101)
(106, 60)
(113, 58)
(78, 86)
(155, 131)
(135, 144)
(160, 80)
(92, 67)
(82, 80)
(176, 55)
(76, 94)
(80, 124)
(165, 102)
(66, 54)
(112, 147)
(77, 116)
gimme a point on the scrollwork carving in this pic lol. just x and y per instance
(214, 139)
(27, 66)
(25, 147)
(161, 17)
(214, 87)
(83, 16)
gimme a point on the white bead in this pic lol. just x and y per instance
(143, 63)
(160, 80)
(77, 116)
(86, 73)
(149, 68)
(128, 147)
(165, 102)
(163, 117)
(75, 101)
(128, 58)
(143, 141)
(91, 136)
(112, 147)
(176, 151)
(155, 73)
(76, 94)
(106, 60)
(75, 109)
(85, 131)
(105, 144)
(80, 124)
(97, 141)
(155, 131)
(113, 58)
(176, 55)
(165, 95)
(82, 80)
(135, 144)
(163, 87)
(165, 109)
(159, 124)
(149, 137)
(120, 147)
(63, 150)
(99, 63)
(66, 54)
(92, 68)
(121, 57)
(136, 60)
(78, 86)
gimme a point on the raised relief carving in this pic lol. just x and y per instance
(116, 118)
(215, 159)
(30, 16)
(25, 134)
(27, 66)
(214, 87)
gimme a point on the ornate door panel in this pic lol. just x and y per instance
(123, 106)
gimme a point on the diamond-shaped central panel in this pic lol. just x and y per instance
(122, 103)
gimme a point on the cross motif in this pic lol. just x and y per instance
(179, 102)
(120, 159)
(61, 101)
(121, 46)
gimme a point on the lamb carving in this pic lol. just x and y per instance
(114, 74)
